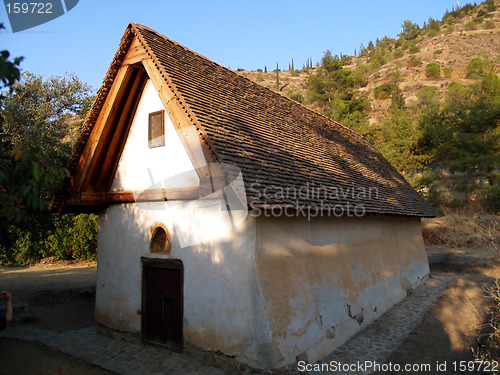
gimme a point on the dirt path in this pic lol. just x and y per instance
(48, 276)
(450, 329)
(62, 296)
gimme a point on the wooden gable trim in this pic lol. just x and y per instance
(115, 128)
(82, 168)
(136, 53)
(91, 182)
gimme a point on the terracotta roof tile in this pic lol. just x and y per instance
(276, 142)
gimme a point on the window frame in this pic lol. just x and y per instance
(166, 249)
(154, 142)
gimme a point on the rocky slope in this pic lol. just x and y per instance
(451, 49)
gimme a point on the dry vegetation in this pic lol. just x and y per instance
(489, 342)
(462, 232)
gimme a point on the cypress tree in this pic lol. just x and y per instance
(277, 78)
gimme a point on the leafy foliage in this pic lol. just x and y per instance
(397, 138)
(384, 91)
(428, 97)
(332, 88)
(465, 132)
(478, 67)
(410, 30)
(37, 124)
(297, 96)
(44, 114)
(73, 237)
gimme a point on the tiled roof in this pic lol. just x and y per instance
(281, 146)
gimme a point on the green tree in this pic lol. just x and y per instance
(277, 78)
(428, 97)
(384, 91)
(465, 132)
(397, 99)
(40, 121)
(332, 88)
(478, 67)
(490, 5)
(398, 138)
(24, 179)
(46, 115)
(410, 30)
(433, 24)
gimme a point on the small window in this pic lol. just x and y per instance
(156, 129)
(160, 240)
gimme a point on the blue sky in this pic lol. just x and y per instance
(236, 34)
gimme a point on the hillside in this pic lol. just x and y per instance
(452, 48)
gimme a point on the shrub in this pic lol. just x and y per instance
(428, 96)
(488, 349)
(432, 33)
(297, 96)
(406, 44)
(489, 24)
(74, 237)
(493, 197)
(259, 77)
(398, 52)
(432, 70)
(426, 183)
(384, 91)
(447, 72)
(490, 5)
(450, 29)
(476, 68)
(414, 49)
(374, 65)
(413, 61)
(471, 25)
(450, 20)
(438, 51)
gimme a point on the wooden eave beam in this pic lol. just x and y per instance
(153, 195)
(108, 108)
(104, 178)
(116, 124)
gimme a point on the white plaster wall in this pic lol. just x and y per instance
(223, 307)
(324, 280)
(138, 163)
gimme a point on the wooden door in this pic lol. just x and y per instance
(162, 302)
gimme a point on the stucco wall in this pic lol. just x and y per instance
(222, 304)
(265, 291)
(325, 279)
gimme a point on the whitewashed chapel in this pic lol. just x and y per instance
(233, 218)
